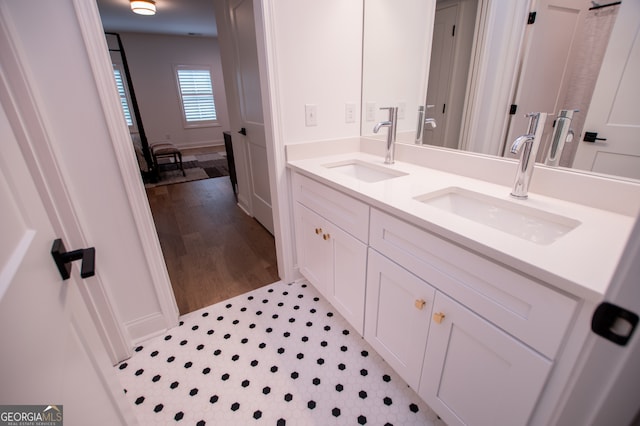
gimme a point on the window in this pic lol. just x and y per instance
(196, 94)
(123, 96)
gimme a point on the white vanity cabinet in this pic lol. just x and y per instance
(331, 258)
(397, 317)
(478, 340)
(493, 333)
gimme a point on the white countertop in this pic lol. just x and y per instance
(581, 262)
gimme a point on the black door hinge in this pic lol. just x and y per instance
(453, 31)
(513, 109)
(532, 18)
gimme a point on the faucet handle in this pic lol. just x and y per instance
(393, 113)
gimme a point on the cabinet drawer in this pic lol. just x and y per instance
(346, 212)
(527, 309)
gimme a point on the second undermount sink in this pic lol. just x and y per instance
(363, 171)
(515, 218)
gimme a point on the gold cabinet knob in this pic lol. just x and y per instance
(419, 303)
(438, 317)
(318, 231)
(326, 237)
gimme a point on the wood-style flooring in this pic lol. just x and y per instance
(212, 249)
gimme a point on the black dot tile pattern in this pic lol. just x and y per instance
(279, 355)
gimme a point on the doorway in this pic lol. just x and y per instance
(212, 249)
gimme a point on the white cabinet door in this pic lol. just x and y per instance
(347, 286)
(476, 374)
(334, 262)
(314, 255)
(397, 316)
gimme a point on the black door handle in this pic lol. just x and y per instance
(63, 259)
(592, 137)
(243, 131)
(605, 318)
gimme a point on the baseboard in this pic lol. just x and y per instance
(146, 327)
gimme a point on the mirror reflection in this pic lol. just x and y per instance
(464, 73)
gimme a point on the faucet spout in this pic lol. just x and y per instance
(531, 142)
(377, 127)
(391, 123)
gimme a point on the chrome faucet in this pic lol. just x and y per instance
(562, 134)
(391, 123)
(422, 121)
(531, 142)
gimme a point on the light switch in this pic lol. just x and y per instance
(371, 111)
(402, 110)
(350, 113)
(311, 115)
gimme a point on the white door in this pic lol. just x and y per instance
(476, 374)
(245, 110)
(314, 255)
(440, 72)
(51, 353)
(544, 74)
(397, 316)
(615, 116)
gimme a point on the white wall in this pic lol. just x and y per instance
(318, 45)
(151, 60)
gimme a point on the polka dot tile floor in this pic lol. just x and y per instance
(279, 355)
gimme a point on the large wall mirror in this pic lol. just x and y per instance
(475, 67)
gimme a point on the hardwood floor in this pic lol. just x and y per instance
(212, 249)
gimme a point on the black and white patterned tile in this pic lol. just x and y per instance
(279, 355)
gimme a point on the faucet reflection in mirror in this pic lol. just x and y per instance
(531, 142)
(562, 133)
(422, 121)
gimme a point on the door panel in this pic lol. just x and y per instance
(394, 325)
(349, 276)
(249, 110)
(474, 373)
(615, 115)
(51, 352)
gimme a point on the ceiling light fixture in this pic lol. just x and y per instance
(143, 7)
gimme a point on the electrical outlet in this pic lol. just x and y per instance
(350, 113)
(371, 111)
(311, 115)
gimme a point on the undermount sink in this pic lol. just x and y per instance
(364, 171)
(522, 221)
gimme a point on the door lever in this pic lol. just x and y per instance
(592, 137)
(243, 131)
(63, 259)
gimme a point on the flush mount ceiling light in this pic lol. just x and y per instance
(143, 7)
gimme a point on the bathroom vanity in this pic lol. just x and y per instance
(481, 302)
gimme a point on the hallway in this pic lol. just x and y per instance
(212, 249)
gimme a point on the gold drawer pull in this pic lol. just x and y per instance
(326, 237)
(438, 317)
(420, 303)
(318, 231)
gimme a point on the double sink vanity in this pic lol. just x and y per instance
(480, 301)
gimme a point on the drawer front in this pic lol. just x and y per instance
(342, 210)
(528, 310)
